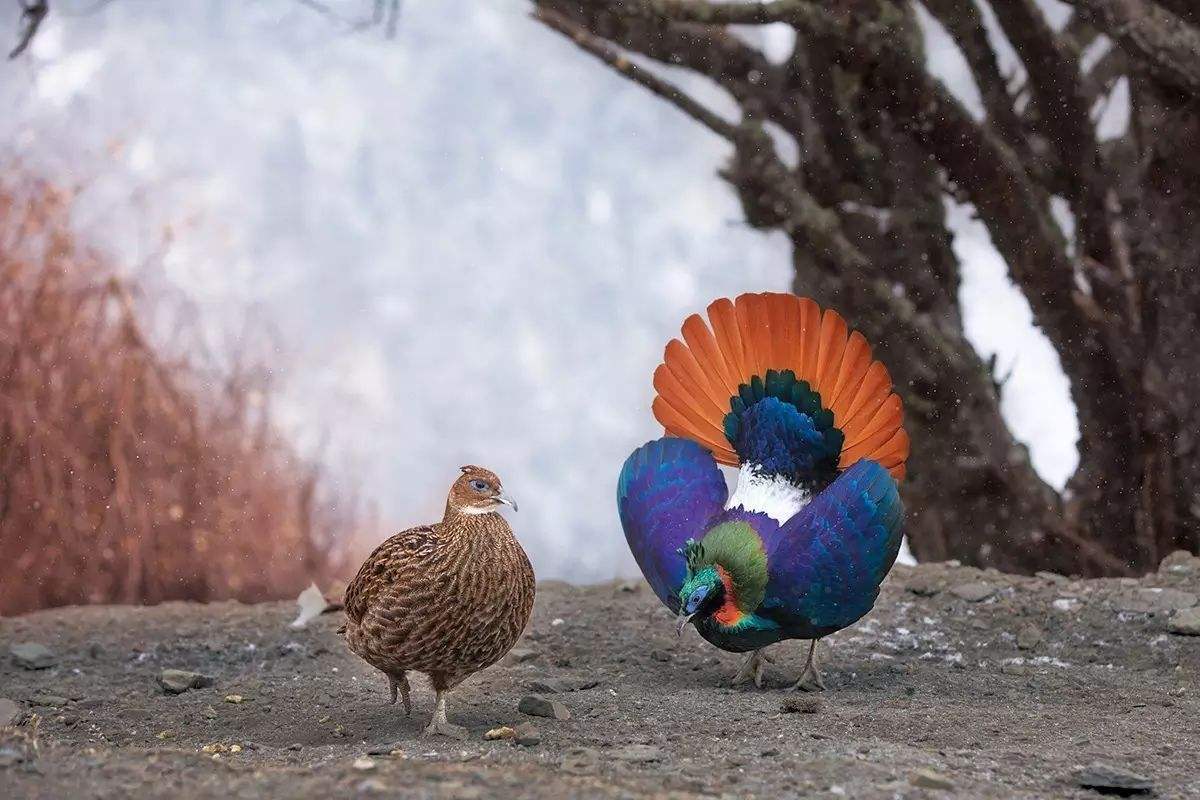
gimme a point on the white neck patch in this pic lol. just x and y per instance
(772, 495)
(477, 511)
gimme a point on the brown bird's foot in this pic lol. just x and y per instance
(752, 669)
(810, 679)
(400, 683)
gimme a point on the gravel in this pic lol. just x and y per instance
(926, 682)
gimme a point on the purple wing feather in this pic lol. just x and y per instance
(668, 492)
(826, 563)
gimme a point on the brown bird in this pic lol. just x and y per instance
(447, 599)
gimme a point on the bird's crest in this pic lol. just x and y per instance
(693, 553)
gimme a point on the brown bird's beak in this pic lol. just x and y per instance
(508, 501)
(684, 619)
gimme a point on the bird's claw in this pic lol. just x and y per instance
(752, 670)
(810, 681)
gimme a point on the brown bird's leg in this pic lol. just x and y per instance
(752, 669)
(810, 679)
(439, 725)
(400, 682)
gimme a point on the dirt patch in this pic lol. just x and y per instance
(948, 688)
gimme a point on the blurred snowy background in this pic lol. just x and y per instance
(472, 241)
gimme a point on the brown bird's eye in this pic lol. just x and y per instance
(478, 485)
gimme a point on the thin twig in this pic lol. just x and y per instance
(32, 15)
(618, 61)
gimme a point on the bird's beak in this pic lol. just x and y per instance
(508, 501)
(684, 619)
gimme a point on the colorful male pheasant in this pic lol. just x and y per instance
(446, 599)
(784, 391)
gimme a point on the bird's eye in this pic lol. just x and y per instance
(478, 485)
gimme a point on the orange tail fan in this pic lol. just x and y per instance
(744, 351)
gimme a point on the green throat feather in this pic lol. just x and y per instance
(737, 548)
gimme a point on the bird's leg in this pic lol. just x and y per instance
(752, 669)
(400, 682)
(439, 726)
(810, 679)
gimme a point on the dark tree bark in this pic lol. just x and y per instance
(881, 143)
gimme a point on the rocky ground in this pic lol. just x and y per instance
(961, 683)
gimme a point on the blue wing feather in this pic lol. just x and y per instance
(826, 563)
(668, 491)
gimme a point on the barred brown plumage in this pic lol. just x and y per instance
(447, 599)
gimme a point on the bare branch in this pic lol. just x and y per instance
(1063, 117)
(1165, 45)
(32, 15)
(734, 13)
(618, 61)
(964, 22)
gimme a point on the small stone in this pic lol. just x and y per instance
(371, 786)
(1107, 779)
(11, 755)
(1146, 601)
(89, 703)
(1029, 637)
(923, 587)
(236, 699)
(382, 750)
(580, 760)
(48, 700)
(497, 734)
(1185, 622)
(1053, 577)
(1014, 669)
(661, 655)
(519, 655)
(974, 592)
(296, 747)
(9, 712)
(1180, 562)
(178, 681)
(32, 655)
(928, 779)
(638, 753)
(527, 735)
(364, 764)
(537, 706)
(629, 587)
(801, 704)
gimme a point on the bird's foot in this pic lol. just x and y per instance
(400, 683)
(752, 669)
(446, 729)
(810, 679)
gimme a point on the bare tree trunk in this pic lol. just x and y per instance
(881, 143)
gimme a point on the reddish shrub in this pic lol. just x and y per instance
(127, 474)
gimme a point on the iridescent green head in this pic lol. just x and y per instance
(701, 592)
(726, 576)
